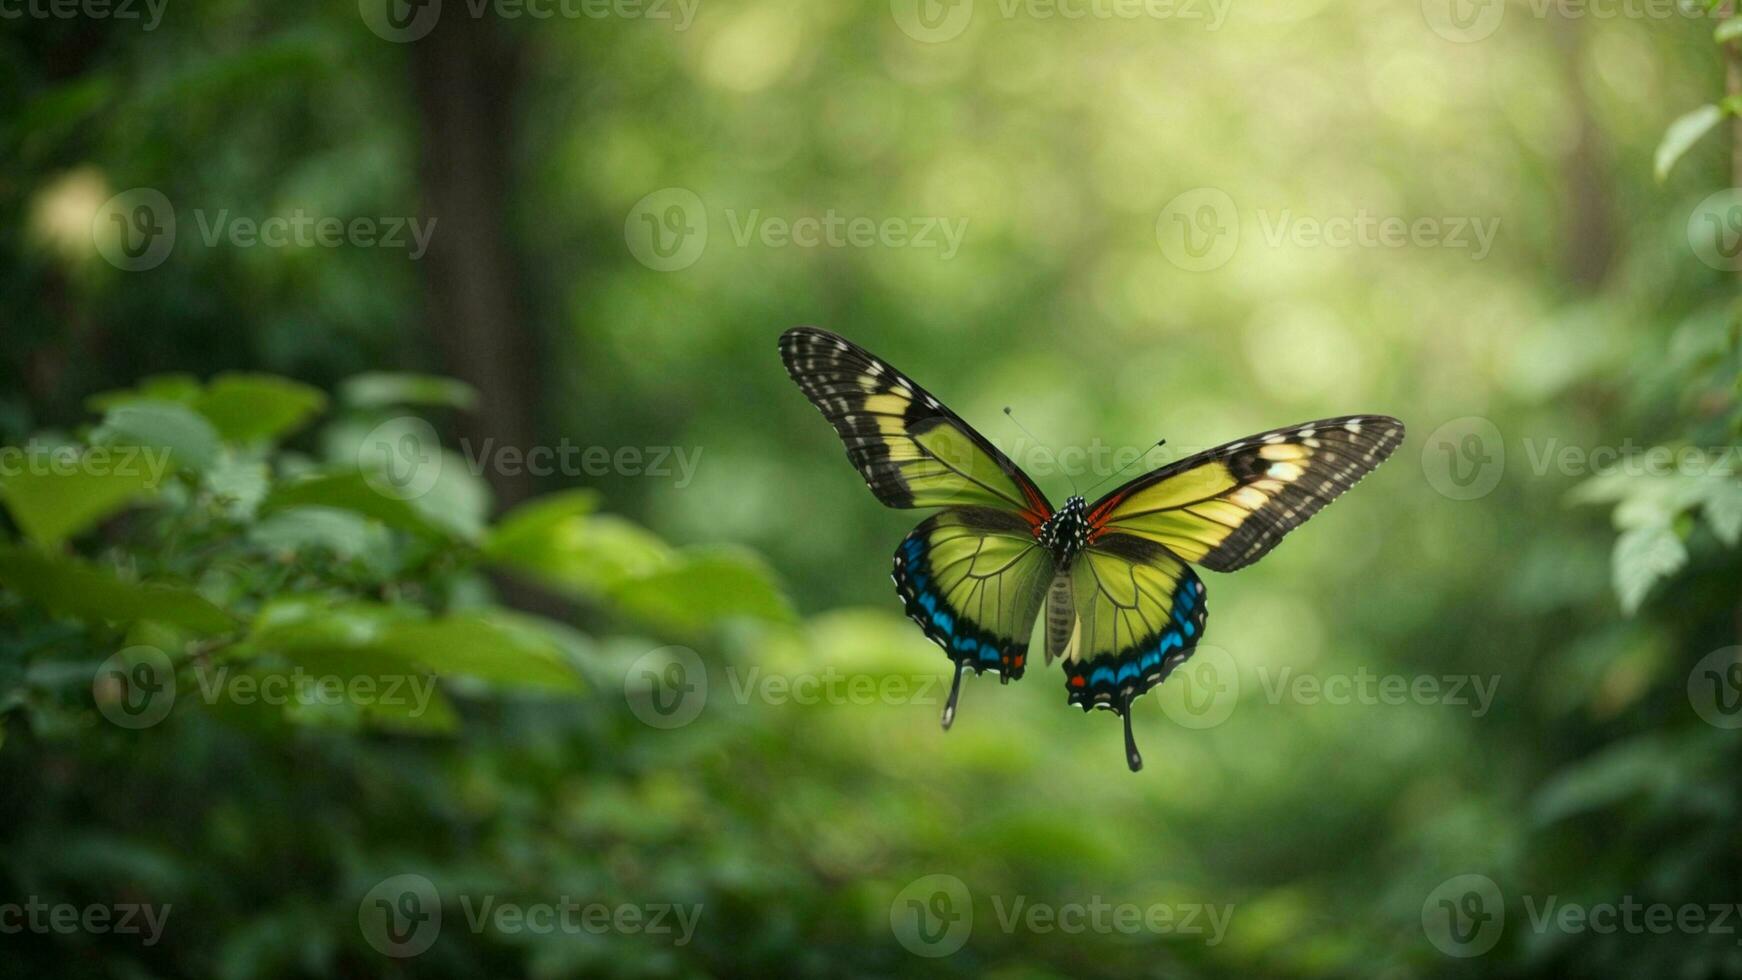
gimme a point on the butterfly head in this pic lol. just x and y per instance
(1066, 532)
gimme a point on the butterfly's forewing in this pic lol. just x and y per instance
(911, 450)
(973, 578)
(1225, 508)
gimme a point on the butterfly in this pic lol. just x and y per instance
(1111, 582)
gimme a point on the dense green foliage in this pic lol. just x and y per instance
(1560, 603)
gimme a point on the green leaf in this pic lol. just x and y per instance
(1643, 556)
(1603, 780)
(499, 647)
(526, 527)
(1728, 30)
(189, 439)
(703, 588)
(558, 542)
(258, 407)
(1683, 134)
(95, 593)
(300, 622)
(239, 485)
(344, 533)
(179, 388)
(56, 500)
(382, 389)
(457, 500)
(584, 555)
(352, 492)
(1723, 509)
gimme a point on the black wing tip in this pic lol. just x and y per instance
(793, 336)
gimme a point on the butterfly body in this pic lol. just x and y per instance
(1109, 583)
(1066, 532)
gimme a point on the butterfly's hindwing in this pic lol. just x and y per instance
(1225, 508)
(911, 449)
(974, 579)
(1139, 614)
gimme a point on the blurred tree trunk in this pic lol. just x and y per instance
(1589, 226)
(467, 75)
(466, 72)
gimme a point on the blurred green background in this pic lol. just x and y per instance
(675, 685)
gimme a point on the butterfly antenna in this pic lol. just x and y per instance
(1037, 442)
(1158, 444)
